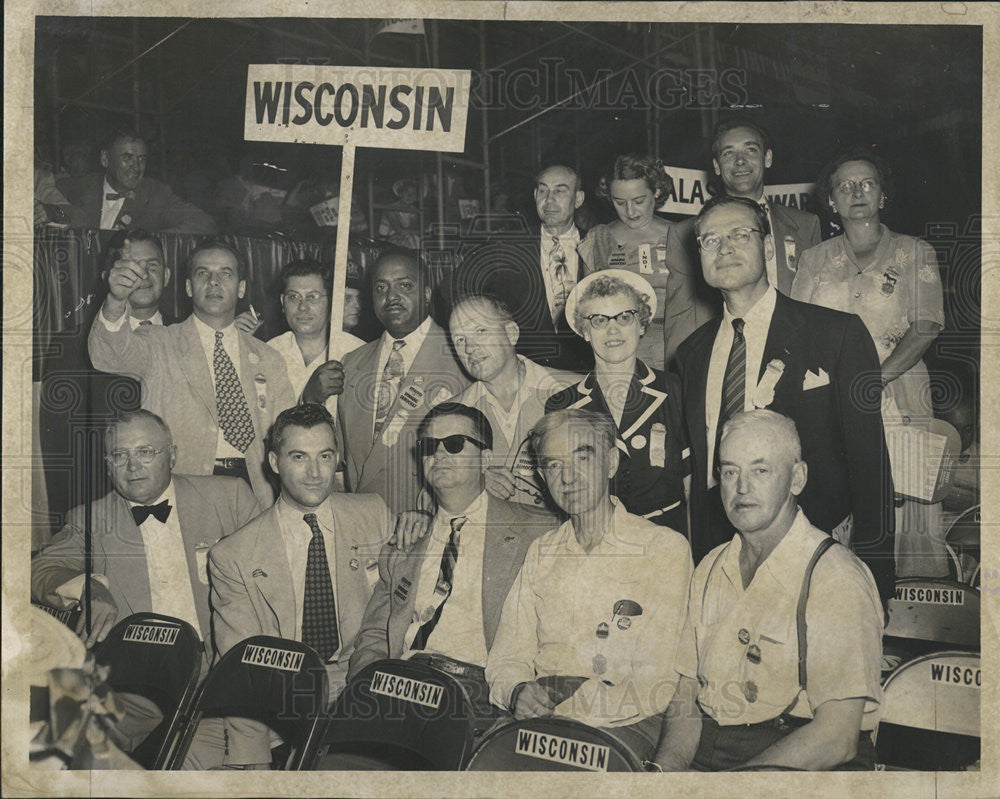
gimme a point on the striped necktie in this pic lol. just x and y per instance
(734, 382)
(446, 576)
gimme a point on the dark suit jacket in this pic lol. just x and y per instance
(208, 509)
(508, 266)
(840, 425)
(154, 207)
(510, 529)
(794, 232)
(388, 465)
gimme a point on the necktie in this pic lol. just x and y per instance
(161, 511)
(391, 375)
(144, 323)
(319, 607)
(234, 415)
(446, 576)
(112, 197)
(733, 383)
(560, 290)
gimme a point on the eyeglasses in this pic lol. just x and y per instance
(712, 242)
(428, 445)
(868, 185)
(145, 455)
(599, 321)
(312, 298)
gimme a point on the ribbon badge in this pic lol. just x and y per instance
(764, 395)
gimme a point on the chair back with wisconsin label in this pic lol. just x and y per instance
(930, 713)
(963, 543)
(399, 715)
(158, 658)
(934, 614)
(280, 683)
(551, 744)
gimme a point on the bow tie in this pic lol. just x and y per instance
(128, 195)
(161, 511)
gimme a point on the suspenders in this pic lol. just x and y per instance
(800, 614)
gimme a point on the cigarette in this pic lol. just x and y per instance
(254, 312)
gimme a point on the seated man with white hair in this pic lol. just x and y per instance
(779, 661)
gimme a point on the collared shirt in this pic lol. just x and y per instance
(725, 621)
(110, 208)
(414, 341)
(564, 600)
(757, 322)
(296, 534)
(170, 588)
(134, 322)
(299, 371)
(459, 631)
(231, 344)
(569, 241)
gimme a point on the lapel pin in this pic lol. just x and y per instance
(355, 564)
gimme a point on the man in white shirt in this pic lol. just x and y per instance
(303, 570)
(780, 657)
(305, 301)
(533, 271)
(151, 535)
(509, 389)
(440, 601)
(215, 385)
(592, 622)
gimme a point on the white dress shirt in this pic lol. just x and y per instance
(296, 534)
(757, 322)
(569, 241)
(414, 341)
(459, 631)
(110, 208)
(564, 596)
(299, 371)
(231, 344)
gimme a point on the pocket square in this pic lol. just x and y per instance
(815, 380)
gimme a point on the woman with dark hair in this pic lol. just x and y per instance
(643, 243)
(612, 309)
(892, 282)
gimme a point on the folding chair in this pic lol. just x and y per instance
(933, 613)
(962, 542)
(930, 714)
(68, 617)
(551, 744)
(159, 658)
(280, 683)
(399, 715)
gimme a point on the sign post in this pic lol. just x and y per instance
(408, 109)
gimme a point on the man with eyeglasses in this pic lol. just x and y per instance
(815, 365)
(440, 601)
(151, 534)
(741, 156)
(305, 301)
(303, 570)
(388, 385)
(591, 624)
(216, 386)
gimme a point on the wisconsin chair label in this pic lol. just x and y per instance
(409, 690)
(593, 757)
(930, 596)
(271, 658)
(151, 634)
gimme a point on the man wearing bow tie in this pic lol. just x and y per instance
(151, 534)
(812, 364)
(534, 271)
(124, 198)
(303, 570)
(440, 601)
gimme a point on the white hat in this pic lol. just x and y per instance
(640, 284)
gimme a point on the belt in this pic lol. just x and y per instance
(230, 463)
(457, 668)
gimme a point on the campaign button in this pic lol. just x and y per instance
(624, 623)
(744, 636)
(750, 690)
(638, 442)
(753, 653)
(603, 630)
(600, 664)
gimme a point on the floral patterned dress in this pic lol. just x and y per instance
(899, 288)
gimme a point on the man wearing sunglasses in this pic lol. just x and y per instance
(591, 624)
(812, 364)
(440, 601)
(151, 534)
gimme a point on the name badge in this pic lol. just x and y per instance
(658, 445)
(646, 258)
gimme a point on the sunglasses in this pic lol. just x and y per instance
(428, 445)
